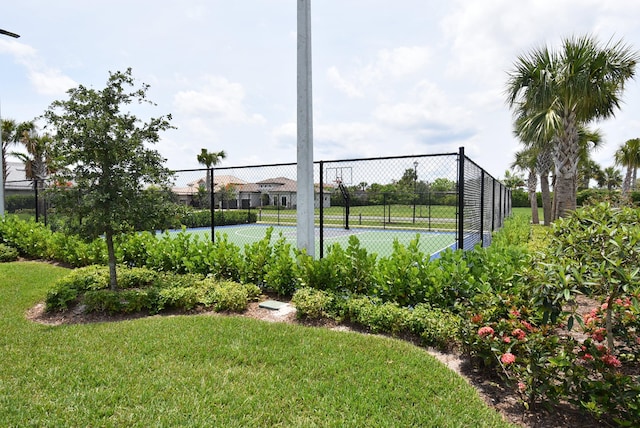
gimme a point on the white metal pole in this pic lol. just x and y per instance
(305, 188)
(14, 35)
(1, 170)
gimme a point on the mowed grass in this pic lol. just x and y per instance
(214, 371)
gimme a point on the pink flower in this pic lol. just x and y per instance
(522, 387)
(485, 331)
(598, 335)
(519, 334)
(527, 325)
(587, 357)
(506, 339)
(515, 313)
(611, 360)
(508, 358)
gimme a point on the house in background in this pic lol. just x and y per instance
(189, 194)
(17, 182)
(232, 192)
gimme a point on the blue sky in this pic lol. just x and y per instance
(396, 77)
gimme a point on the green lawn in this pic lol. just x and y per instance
(214, 371)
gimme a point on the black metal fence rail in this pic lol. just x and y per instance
(446, 198)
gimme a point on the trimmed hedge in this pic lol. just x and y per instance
(144, 290)
(221, 218)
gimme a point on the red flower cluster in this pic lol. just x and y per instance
(599, 334)
(508, 358)
(611, 360)
(519, 334)
(485, 331)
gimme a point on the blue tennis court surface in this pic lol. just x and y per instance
(378, 241)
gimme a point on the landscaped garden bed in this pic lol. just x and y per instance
(550, 317)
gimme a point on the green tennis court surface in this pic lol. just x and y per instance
(378, 241)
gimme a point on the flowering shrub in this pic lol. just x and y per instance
(625, 325)
(521, 352)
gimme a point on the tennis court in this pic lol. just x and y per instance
(378, 241)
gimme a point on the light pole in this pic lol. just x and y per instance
(14, 35)
(305, 191)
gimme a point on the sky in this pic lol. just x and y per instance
(390, 78)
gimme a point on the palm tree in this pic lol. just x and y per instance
(36, 160)
(525, 161)
(544, 165)
(512, 180)
(210, 159)
(588, 140)
(556, 92)
(610, 178)
(11, 133)
(628, 155)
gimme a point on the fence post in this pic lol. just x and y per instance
(211, 206)
(482, 207)
(493, 204)
(461, 198)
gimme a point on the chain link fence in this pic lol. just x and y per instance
(443, 200)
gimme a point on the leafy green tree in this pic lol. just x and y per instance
(556, 92)
(101, 160)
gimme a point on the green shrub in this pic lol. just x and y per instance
(230, 296)
(256, 260)
(403, 277)
(122, 301)
(67, 289)
(319, 274)
(225, 259)
(436, 327)
(136, 277)
(202, 218)
(375, 315)
(516, 231)
(19, 203)
(280, 275)
(312, 303)
(185, 298)
(353, 269)
(8, 254)
(60, 297)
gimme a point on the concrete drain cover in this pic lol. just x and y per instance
(274, 305)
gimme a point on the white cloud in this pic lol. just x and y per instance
(342, 84)
(219, 100)
(51, 81)
(397, 64)
(46, 80)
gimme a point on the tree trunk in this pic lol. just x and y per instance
(532, 184)
(564, 196)
(565, 158)
(113, 280)
(546, 198)
(626, 185)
